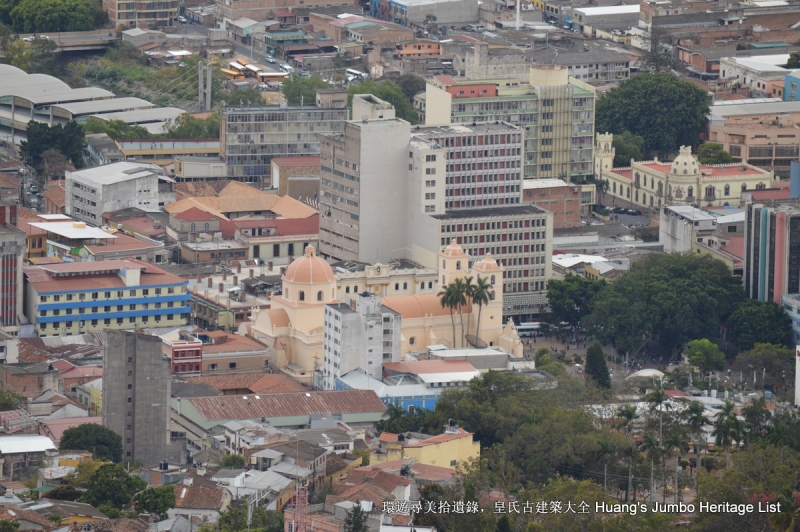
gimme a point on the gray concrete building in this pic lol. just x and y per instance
(594, 67)
(447, 12)
(361, 334)
(13, 247)
(136, 398)
(91, 192)
(252, 136)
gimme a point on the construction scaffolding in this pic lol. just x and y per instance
(17, 421)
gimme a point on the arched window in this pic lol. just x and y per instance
(637, 178)
(644, 198)
(286, 295)
(207, 226)
(727, 190)
(193, 227)
(458, 265)
(691, 192)
(444, 264)
(744, 187)
(637, 196)
(333, 293)
(493, 279)
(302, 296)
(652, 182)
(615, 188)
(491, 296)
(628, 190)
(709, 192)
(319, 295)
(685, 171)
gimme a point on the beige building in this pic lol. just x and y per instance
(649, 184)
(143, 15)
(765, 134)
(293, 328)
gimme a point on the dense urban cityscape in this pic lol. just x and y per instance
(399, 265)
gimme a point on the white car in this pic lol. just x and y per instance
(270, 59)
(27, 39)
(182, 20)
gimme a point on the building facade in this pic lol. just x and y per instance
(145, 15)
(680, 225)
(136, 398)
(66, 299)
(13, 247)
(684, 181)
(771, 250)
(252, 136)
(555, 111)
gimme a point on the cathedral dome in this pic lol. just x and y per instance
(453, 250)
(684, 163)
(309, 269)
(486, 264)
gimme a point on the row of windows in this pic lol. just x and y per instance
(118, 294)
(95, 310)
(108, 321)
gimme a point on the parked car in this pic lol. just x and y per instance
(27, 39)
(302, 73)
(270, 59)
(287, 68)
(182, 20)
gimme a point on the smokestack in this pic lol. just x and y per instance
(238, 267)
(210, 281)
(221, 287)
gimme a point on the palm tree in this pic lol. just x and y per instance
(394, 416)
(601, 185)
(652, 447)
(725, 412)
(675, 441)
(480, 297)
(787, 519)
(657, 399)
(627, 415)
(447, 298)
(469, 291)
(460, 299)
(696, 418)
(605, 450)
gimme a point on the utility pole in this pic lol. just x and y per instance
(630, 483)
(652, 482)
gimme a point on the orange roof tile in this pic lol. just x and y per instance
(419, 305)
(57, 195)
(441, 438)
(387, 437)
(197, 497)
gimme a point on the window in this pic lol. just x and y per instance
(430, 158)
(232, 365)
(193, 227)
(452, 463)
(319, 295)
(430, 171)
(430, 195)
(430, 208)
(207, 227)
(412, 340)
(301, 296)
(430, 183)
(213, 367)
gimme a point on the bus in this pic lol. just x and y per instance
(528, 329)
(275, 77)
(232, 74)
(355, 74)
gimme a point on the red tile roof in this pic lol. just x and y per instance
(42, 278)
(143, 224)
(287, 404)
(441, 438)
(194, 215)
(57, 195)
(9, 181)
(282, 226)
(387, 437)
(197, 497)
(301, 160)
(226, 343)
(386, 481)
(769, 194)
(255, 382)
(54, 428)
(82, 371)
(25, 516)
(361, 492)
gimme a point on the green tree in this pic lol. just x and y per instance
(794, 61)
(672, 298)
(411, 84)
(55, 518)
(647, 233)
(65, 492)
(503, 524)
(10, 400)
(41, 16)
(67, 139)
(788, 518)
(388, 92)
(659, 57)
(705, 355)
(712, 153)
(110, 511)
(155, 500)
(112, 485)
(8, 526)
(102, 442)
(356, 520)
(627, 147)
(626, 415)
(666, 111)
(571, 297)
(596, 367)
(190, 127)
(460, 299)
(695, 419)
(249, 96)
(480, 297)
(772, 358)
(116, 129)
(299, 89)
(759, 322)
(449, 298)
(232, 461)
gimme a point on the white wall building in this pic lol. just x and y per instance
(680, 223)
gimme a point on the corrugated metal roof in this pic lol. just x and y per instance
(25, 444)
(287, 404)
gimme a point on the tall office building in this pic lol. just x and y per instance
(13, 244)
(555, 110)
(136, 398)
(252, 136)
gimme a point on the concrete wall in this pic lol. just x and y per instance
(438, 106)
(136, 395)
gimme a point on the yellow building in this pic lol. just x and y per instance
(293, 327)
(649, 184)
(96, 404)
(454, 446)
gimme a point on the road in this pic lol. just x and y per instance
(241, 50)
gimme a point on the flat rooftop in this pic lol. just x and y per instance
(528, 184)
(490, 211)
(115, 173)
(101, 106)
(143, 116)
(73, 230)
(484, 127)
(607, 10)
(740, 109)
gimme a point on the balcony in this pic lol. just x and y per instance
(709, 197)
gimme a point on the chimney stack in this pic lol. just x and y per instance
(221, 287)
(224, 276)
(210, 281)
(199, 277)
(238, 267)
(251, 273)
(235, 280)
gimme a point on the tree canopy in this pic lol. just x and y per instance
(192, 127)
(155, 500)
(115, 129)
(102, 442)
(627, 147)
(112, 485)
(67, 139)
(569, 298)
(772, 358)
(712, 153)
(356, 520)
(388, 92)
(759, 322)
(232, 461)
(596, 366)
(666, 111)
(40, 16)
(794, 61)
(234, 519)
(705, 355)
(10, 400)
(411, 84)
(671, 298)
(299, 89)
